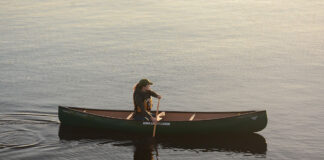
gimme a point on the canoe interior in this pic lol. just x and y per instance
(169, 115)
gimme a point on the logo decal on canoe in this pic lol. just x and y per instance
(159, 123)
(254, 118)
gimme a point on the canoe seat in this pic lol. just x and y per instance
(130, 116)
(192, 117)
(160, 115)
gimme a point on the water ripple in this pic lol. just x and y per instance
(28, 118)
(19, 138)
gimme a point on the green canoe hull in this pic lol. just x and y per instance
(247, 123)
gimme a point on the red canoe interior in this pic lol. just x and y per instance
(169, 115)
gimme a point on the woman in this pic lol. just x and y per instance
(143, 101)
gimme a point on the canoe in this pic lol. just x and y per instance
(172, 123)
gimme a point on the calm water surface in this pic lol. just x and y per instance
(201, 55)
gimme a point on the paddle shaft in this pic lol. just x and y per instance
(157, 112)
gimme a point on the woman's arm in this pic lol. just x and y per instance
(152, 93)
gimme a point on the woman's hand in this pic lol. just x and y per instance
(154, 120)
(159, 97)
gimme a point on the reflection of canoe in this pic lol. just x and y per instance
(251, 143)
(248, 142)
(173, 123)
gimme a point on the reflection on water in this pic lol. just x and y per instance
(144, 148)
(147, 147)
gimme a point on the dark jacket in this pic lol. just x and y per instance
(139, 98)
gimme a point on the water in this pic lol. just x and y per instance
(201, 55)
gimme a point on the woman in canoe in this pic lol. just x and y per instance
(143, 101)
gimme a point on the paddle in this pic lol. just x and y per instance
(156, 115)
